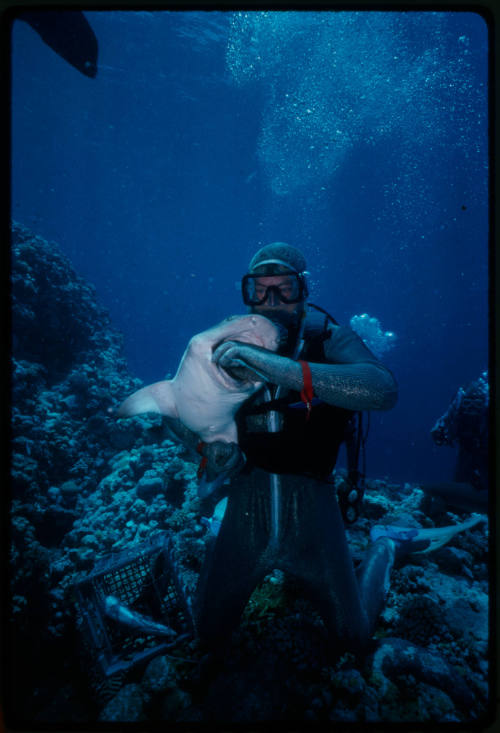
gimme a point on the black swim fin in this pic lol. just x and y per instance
(69, 34)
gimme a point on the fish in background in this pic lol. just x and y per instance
(115, 609)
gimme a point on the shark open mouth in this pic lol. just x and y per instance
(239, 374)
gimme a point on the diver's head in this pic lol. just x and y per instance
(275, 285)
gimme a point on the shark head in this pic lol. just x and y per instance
(251, 329)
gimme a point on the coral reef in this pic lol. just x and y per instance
(84, 484)
(465, 424)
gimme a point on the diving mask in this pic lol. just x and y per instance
(286, 288)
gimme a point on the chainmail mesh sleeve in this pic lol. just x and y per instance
(354, 378)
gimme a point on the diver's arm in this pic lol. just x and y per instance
(354, 378)
(354, 386)
(355, 381)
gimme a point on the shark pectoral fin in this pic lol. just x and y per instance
(157, 397)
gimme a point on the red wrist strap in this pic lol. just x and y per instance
(203, 462)
(307, 393)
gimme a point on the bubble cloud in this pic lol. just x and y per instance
(370, 330)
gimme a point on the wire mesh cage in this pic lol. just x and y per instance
(142, 580)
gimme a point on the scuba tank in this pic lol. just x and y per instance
(273, 426)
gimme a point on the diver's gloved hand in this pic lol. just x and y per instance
(222, 459)
(264, 364)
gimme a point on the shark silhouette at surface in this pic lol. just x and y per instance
(69, 34)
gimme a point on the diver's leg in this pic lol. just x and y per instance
(314, 549)
(391, 544)
(234, 564)
(374, 577)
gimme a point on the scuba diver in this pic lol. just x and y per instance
(465, 424)
(282, 512)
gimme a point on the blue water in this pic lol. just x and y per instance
(361, 138)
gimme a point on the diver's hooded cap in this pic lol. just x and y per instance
(279, 253)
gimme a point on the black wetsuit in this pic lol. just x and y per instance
(294, 524)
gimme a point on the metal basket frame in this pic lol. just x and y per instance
(143, 578)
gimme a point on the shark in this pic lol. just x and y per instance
(202, 395)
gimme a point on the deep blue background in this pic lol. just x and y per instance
(359, 137)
